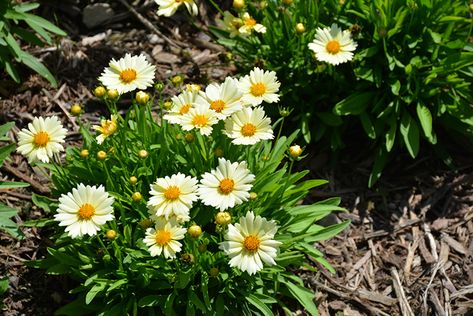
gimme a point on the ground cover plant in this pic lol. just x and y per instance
(400, 72)
(18, 23)
(189, 206)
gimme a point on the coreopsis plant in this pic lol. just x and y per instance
(191, 210)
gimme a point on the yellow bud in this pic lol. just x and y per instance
(253, 195)
(471, 7)
(238, 4)
(263, 5)
(193, 87)
(287, 2)
(177, 80)
(179, 136)
(99, 91)
(223, 218)
(136, 196)
(101, 155)
(265, 158)
(187, 258)
(112, 94)
(214, 272)
(142, 97)
(143, 153)
(84, 153)
(295, 151)
(300, 28)
(167, 105)
(133, 180)
(111, 234)
(146, 223)
(194, 231)
(76, 109)
(189, 137)
(218, 152)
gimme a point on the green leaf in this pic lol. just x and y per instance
(36, 65)
(425, 118)
(256, 302)
(410, 133)
(367, 125)
(5, 152)
(391, 134)
(304, 296)
(6, 224)
(379, 162)
(11, 185)
(355, 104)
(4, 283)
(152, 300)
(43, 202)
(330, 119)
(6, 127)
(96, 289)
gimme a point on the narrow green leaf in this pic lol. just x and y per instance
(11, 185)
(367, 125)
(6, 127)
(304, 296)
(380, 161)
(255, 301)
(410, 133)
(355, 104)
(425, 118)
(36, 65)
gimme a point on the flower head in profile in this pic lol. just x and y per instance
(250, 243)
(259, 86)
(181, 104)
(231, 24)
(248, 126)
(163, 238)
(227, 185)
(84, 210)
(201, 117)
(128, 73)
(106, 128)
(250, 25)
(42, 139)
(224, 98)
(172, 195)
(333, 45)
(169, 7)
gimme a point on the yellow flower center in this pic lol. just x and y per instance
(258, 89)
(250, 22)
(248, 130)
(217, 105)
(333, 47)
(108, 127)
(251, 243)
(184, 109)
(41, 139)
(128, 75)
(163, 237)
(172, 193)
(86, 211)
(226, 186)
(200, 120)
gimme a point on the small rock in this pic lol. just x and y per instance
(154, 39)
(95, 14)
(166, 58)
(156, 50)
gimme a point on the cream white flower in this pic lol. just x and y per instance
(42, 139)
(169, 7)
(163, 238)
(106, 128)
(84, 209)
(227, 185)
(250, 243)
(173, 195)
(250, 25)
(224, 98)
(248, 126)
(128, 73)
(259, 86)
(333, 45)
(200, 117)
(173, 218)
(181, 104)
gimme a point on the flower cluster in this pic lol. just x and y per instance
(243, 25)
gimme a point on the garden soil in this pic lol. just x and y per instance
(408, 250)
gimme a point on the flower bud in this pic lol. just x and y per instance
(177, 80)
(101, 155)
(136, 196)
(202, 248)
(194, 231)
(300, 28)
(159, 86)
(287, 2)
(253, 195)
(218, 152)
(187, 258)
(99, 91)
(193, 87)
(238, 4)
(113, 94)
(84, 153)
(145, 223)
(214, 272)
(295, 151)
(189, 137)
(142, 97)
(133, 180)
(111, 234)
(143, 154)
(167, 105)
(76, 109)
(223, 218)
